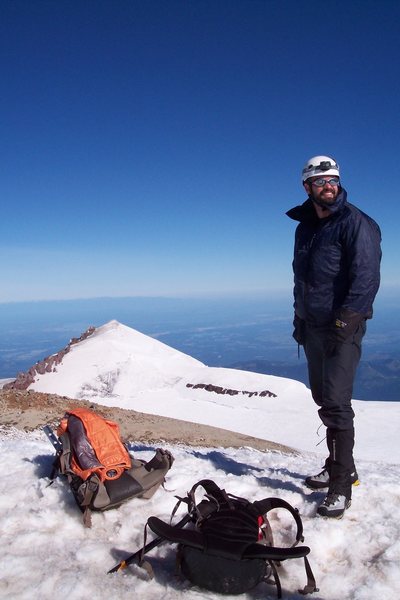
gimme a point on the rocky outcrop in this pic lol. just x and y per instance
(47, 365)
(208, 387)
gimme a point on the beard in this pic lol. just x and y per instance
(324, 198)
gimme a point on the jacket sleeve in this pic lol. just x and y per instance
(363, 254)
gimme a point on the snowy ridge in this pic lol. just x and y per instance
(119, 366)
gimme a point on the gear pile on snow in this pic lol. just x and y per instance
(100, 471)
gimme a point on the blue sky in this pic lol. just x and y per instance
(153, 147)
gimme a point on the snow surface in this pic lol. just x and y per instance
(47, 553)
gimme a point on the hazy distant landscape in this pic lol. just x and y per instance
(251, 334)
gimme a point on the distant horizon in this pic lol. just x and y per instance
(209, 295)
(386, 292)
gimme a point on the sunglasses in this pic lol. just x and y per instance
(320, 182)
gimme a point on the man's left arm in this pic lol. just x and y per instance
(363, 254)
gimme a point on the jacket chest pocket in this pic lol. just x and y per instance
(326, 258)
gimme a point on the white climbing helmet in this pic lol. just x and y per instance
(320, 165)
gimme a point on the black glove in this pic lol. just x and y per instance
(344, 326)
(299, 332)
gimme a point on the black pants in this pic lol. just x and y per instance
(331, 382)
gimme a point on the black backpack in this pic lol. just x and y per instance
(229, 547)
(138, 479)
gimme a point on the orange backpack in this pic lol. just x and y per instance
(111, 456)
(100, 471)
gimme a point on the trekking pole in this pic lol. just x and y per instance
(156, 542)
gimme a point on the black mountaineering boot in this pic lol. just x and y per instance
(321, 480)
(334, 506)
(341, 474)
(340, 462)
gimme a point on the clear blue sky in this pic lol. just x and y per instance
(152, 147)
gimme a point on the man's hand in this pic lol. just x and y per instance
(344, 326)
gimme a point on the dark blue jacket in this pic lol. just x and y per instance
(336, 262)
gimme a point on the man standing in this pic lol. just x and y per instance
(336, 277)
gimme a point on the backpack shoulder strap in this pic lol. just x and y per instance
(190, 537)
(264, 506)
(213, 491)
(257, 550)
(216, 498)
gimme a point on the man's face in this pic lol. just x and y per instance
(323, 189)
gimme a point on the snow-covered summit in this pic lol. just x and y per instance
(125, 340)
(112, 361)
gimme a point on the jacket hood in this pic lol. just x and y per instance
(306, 211)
